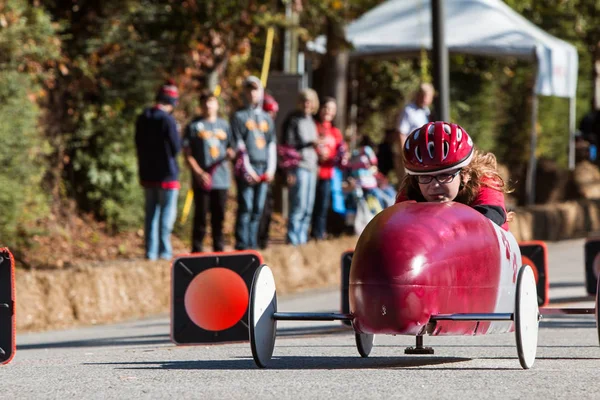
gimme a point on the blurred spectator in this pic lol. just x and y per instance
(367, 191)
(271, 107)
(300, 134)
(329, 141)
(254, 133)
(157, 143)
(207, 146)
(363, 171)
(590, 129)
(414, 115)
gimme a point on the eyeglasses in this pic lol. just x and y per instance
(441, 178)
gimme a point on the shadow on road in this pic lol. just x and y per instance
(558, 285)
(156, 339)
(556, 324)
(572, 299)
(294, 362)
(143, 340)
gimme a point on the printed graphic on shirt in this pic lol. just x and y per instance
(326, 146)
(258, 132)
(253, 127)
(260, 140)
(208, 142)
(264, 126)
(213, 138)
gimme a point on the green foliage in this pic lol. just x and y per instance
(577, 22)
(26, 43)
(27, 37)
(475, 82)
(385, 86)
(124, 67)
(21, 201)
(76, 88)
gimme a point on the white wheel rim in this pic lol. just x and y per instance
(526, 317)
(262, 326)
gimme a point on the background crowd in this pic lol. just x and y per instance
(309, 156)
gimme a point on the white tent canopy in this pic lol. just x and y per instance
(482, 27)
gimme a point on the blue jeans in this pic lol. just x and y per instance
(251, 202)
(161, 211)
(302, 200)
(322, 200)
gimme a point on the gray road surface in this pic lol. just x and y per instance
(137, 360)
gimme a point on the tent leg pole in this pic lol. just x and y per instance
(353, 102)
(572, 112)
(530, 191)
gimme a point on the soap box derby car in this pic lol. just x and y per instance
(7, 307)
(423, 269)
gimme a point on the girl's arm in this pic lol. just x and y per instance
(495, 213)
(490, 203)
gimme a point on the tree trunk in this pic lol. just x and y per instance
(335, 74)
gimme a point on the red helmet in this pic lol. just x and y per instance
(437, 147)
(269, 104)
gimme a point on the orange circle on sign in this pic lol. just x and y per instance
(527, 261)
(216, 299)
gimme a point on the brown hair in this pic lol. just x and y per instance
(206, 95)
(324, 101)
(482, 171)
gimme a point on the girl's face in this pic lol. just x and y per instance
(441, 187)
(328, 111)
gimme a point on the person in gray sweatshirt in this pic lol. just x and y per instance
(300, 132)
(254, 132)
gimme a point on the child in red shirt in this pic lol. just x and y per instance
(437, 153)
(329, 145)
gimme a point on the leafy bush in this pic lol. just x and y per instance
(27, 44)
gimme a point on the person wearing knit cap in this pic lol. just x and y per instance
(157, 143)
(254, 133)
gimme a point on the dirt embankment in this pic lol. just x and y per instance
(117, 290)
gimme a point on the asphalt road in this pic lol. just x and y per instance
(315, 360)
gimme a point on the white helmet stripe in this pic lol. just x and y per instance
(462, 164)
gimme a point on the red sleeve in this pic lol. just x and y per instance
(491, 197)
(338, 136)
(401, 197)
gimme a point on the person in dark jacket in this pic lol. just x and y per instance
(158, 143)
